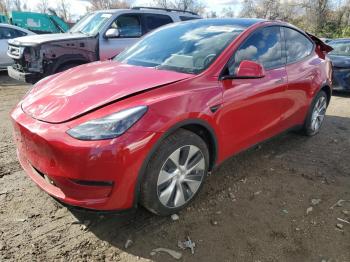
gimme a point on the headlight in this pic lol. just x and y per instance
(108, 127)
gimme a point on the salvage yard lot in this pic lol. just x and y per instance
(253, 207)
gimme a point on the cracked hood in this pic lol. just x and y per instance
(62, 97)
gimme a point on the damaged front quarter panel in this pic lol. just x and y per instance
(38, 60)
(55, 55)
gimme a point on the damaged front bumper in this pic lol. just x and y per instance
(27, 77)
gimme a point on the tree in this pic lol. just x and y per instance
(228, 12)
(43, 6)
(5, 6)
(329, 18)
(248, 9)
(109, 4)
(63, 9)
(211, 14)
(17, 5)
(316, 12)
(163, 4)
(196, 6)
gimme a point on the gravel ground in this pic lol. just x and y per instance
(270, 203)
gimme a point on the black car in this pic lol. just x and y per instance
(340, 57)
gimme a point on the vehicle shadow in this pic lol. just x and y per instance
(148, 231)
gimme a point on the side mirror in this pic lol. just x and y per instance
(250, 69)
(247, 70)
(112, 33)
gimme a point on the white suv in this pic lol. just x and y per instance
(100, 35)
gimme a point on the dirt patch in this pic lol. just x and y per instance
(252, 208)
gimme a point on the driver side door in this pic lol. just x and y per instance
(130, 30)
(252, 107)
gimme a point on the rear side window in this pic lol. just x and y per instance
(263, 46)
(154, 21)
(298, 46)
(9, 33)
(186, 18)
(128, 26)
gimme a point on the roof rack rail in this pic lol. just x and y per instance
(164, 9)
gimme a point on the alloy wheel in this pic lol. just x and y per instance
(318, 113)
(181, 176)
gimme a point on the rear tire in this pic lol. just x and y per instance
(316, 114)
(175, 173)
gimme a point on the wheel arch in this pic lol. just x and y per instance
(197, 126)
(328, 90)
(65, 60)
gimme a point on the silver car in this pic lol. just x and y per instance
(9, 32)
(100, 35)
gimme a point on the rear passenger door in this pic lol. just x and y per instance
(153, 21)
(302, 65)
(130, 30)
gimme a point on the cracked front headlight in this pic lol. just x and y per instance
(108, 127)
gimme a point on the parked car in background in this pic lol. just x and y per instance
(9, 32)
(340, 57)
(326, 40)
(98, 36)
(146, 127)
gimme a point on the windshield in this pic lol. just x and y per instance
(91, 23)
(188, 47)
(341, 48)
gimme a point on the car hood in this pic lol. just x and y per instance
(62, 97)
(340, 61)
(31, 40)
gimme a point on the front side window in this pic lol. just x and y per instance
(298, 46)
(263, 46)
(155, 21)
(128, 26)
(91, 23)
(184, 47)
(341, 47)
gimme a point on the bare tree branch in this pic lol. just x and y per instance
(63, 9)
(43, 6)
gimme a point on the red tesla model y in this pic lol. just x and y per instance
(146, 127)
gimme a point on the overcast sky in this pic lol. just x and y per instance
(78, 7)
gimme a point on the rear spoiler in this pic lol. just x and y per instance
(323, 47)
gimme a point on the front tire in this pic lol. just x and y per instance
(65, 67)
(316, 114)
(175, 173)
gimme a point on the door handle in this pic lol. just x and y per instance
(279, 81)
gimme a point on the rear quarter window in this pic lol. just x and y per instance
(298, 46)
